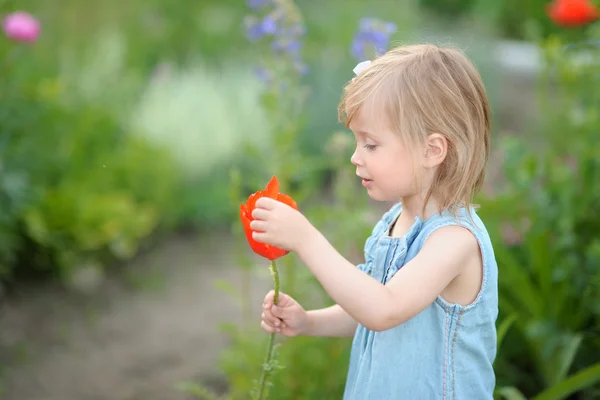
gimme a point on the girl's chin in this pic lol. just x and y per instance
(377, 195)
(374, 194)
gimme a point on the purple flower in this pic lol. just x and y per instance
(281, 24)
(269, 25)
(252, 28)
(21, 26)
(287, 45)
(256, 29)
(373, 34)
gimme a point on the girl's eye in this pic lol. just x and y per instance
(370, 147)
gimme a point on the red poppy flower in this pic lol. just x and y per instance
(272, 191)
(572, 12)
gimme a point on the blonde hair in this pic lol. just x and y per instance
(425, 89)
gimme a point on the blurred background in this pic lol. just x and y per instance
(131, 131)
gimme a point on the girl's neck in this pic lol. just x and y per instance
(413, 207)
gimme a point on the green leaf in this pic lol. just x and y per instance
(541, 261)
(581, 380)
(516, 278)
(510, 393)
(504, 327)
(567, 355)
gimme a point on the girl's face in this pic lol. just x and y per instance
(385, 164)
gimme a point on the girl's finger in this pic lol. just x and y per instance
(287, 331)
(272, 320)
(260, 213)
(266, 202)
(260, 237)
(257, 225)
(268, 328)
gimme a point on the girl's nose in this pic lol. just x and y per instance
(355, 159)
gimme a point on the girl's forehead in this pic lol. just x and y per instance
(370, 117)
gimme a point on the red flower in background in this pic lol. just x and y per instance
(572, 12)
(272, 191)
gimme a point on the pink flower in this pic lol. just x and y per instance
(21, 26)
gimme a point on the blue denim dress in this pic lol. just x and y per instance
(446, 351)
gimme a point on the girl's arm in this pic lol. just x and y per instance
(414, 287)
(378, 307)
(331, 321)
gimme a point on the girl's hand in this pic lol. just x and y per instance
(280, 225)
(287, 318)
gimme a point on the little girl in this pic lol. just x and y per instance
(423, 306)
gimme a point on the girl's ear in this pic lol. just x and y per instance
(436, 149)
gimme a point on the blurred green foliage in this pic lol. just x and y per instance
(73, 184)
(114, 134)
(512, 19)
(545, 222)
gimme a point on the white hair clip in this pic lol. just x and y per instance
(361, 66)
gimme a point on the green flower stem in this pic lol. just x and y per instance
(267, 367)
